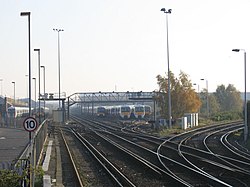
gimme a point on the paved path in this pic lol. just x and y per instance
(12, 143)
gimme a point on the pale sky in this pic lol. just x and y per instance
(120, 45)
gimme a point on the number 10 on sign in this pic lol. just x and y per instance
(30, 124)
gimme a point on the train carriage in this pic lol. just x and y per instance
(101, 111)
(125, 111)
(15, 112)
(147, 110)
(138, 111)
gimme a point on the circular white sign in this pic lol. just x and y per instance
(30, 124)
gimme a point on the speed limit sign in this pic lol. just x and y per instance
(30, 124)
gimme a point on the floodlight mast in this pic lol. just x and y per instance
(169, 90)
(245, 94)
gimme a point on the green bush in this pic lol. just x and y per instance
(39, 177)
(10, 178)
(224, 116)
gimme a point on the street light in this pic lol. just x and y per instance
(198, 93)
(14, 99)
(245, 94)
(28, 14)
(35, 93)
(198, 87)
(43, 89)
(58, 31)
(169, 91)
(207, 96)
(39, 103)
(14, 119)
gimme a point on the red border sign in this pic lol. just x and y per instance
(30, 124)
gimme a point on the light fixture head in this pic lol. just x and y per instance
(167, 12)
(236, 50)
(25, 13)
(58, 30)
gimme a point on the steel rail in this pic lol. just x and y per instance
(163, 171)
(195, 131)
(180, 164)
(199, 171)
(105, 163)
(232, 148)
(218, 155)
(72, 160)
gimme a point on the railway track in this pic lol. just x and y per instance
(132, 165)
(70, 173)
(180, 159)
(208, 178)
(233, 146)
(231, 168)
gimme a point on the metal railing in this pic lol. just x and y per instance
(32, 154)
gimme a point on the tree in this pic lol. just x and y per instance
(184, 98)
(203, 99)
(214, 106)
(228, 98)
(224, 104)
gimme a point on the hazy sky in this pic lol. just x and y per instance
(120, 45)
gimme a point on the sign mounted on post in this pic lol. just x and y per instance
(30, 124)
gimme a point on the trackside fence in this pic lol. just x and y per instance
(33, 154)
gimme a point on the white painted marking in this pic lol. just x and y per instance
(46, 181)
(47, 157)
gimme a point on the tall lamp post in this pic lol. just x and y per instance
(198, 93)
(169, 91)
(207, 97)
(245, 94)
(198, 87)
(35, 92)
(14, 98)
(58, 31)
(28, 14)
(39, 82)
(43, 89)
(14, 119)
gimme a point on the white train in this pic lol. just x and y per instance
(138, 111)
(14, 112)
(124, 111)
(100, 111)
(148, 110)
(112, 110)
